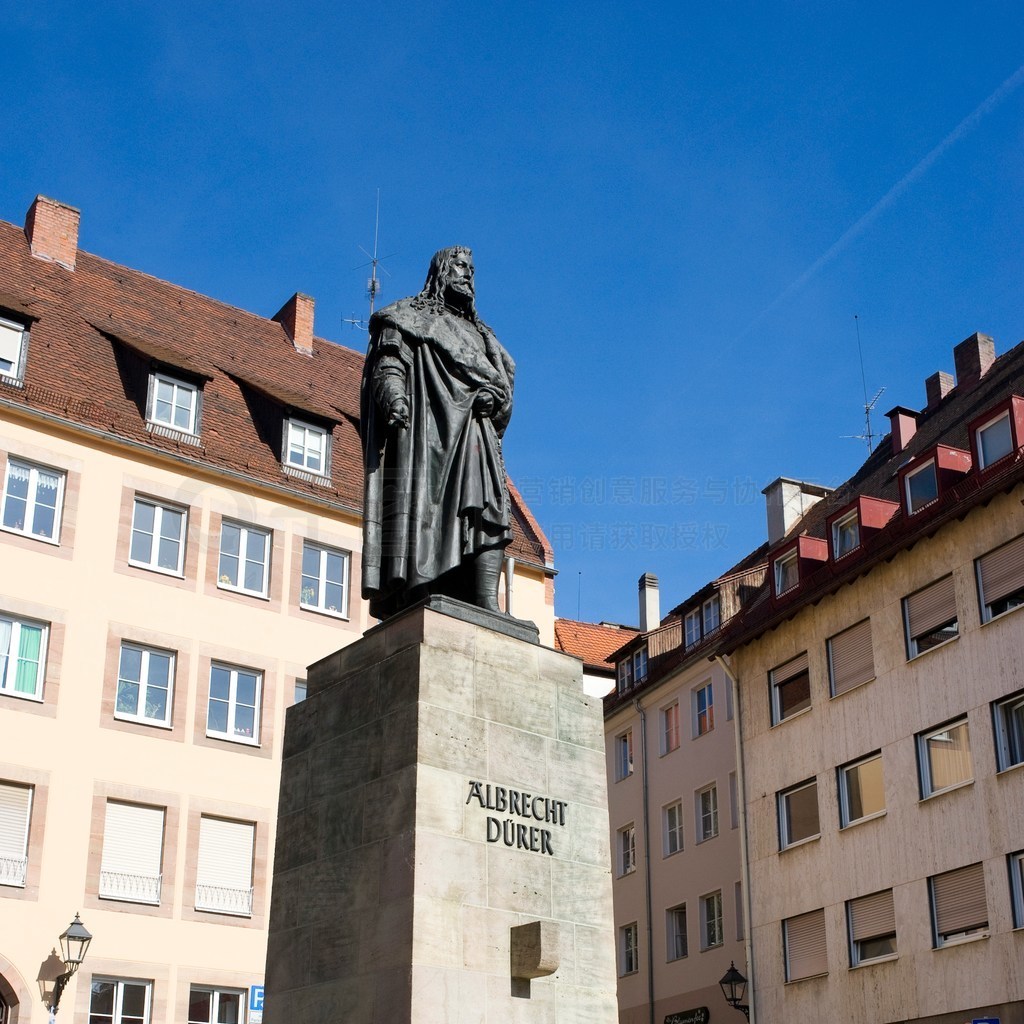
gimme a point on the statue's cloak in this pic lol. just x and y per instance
(435, 491)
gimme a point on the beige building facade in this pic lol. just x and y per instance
(180, 535)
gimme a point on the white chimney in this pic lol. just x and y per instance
(650, 605)
(787, 503)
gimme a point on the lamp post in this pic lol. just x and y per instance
(734, 988)
(74, 944)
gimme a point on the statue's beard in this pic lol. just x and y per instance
(459, 295)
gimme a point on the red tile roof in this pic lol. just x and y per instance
(593, 643)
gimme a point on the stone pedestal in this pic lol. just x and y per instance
(442, 852)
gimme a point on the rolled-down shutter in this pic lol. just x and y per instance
(852, 658)
(872, 916)
(790, 669)
(225, 853)
(133, 838)
(806, 955)
(1001, 572)
(15, 804)
(932, 607)
(960, 900)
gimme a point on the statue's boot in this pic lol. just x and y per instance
(488, 572)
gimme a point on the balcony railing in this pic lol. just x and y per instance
(222, 899)
(120, 885)
(12, 870)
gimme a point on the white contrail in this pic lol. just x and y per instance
(894, 193)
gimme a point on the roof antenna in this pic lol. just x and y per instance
(373, 285)
(868, 437)
(579, 593)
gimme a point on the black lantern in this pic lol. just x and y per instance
(74, 944)
(734, 988)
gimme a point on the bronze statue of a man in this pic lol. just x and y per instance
(436, 398)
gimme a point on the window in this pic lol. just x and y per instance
(306, 447)
(133, 839)
(224, 866)
(215, 1006)
(15, 814)
(930, 617)
(734, 802)
(12, 349)
(851, 659)
(627, 849)
(711, 931)
(158, 536)
(244, 554)
(846, 534)
(1008, 716)
(712, 614)
(629, 954)
(22, 657)
(798, 814)
(234, 711)
(803, 940)
(299, 694)
(173, 403)
(624, 755)
(33, 496)
(704, 709)
(787, 572)
(944, 758)
(117, 1001)
(692, 625)
(670, 727)
(625, 671)
(995, 440)
(872, 923)
(959, 910)
(1016, 865)
(144, 682)
(675, 928)
(324, 579)
(922, 486)
(738, 907)
(640, 664)
(672, 828)
(1001, 579)
(861, 790)
(790, 688)
(707, 813)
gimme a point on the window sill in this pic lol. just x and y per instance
(948, 789)
(709, 949)
(810, 977)
(177, 574)
(31, 536)
(850, 689)
(1010, 768)
(789, 718)
(937, 647)
(707, 839)
(628, 974)
(674, 853)
(21, 696)
(862, 821)
(232, 739)
(174, 433)
(671, 750)
(324, 611)
(626, 873)
(309, 475)
(142, 721)
(950, 943)
(227, 588)
(13, 885)
(888, 958)
(1001, 615)
(12, 382)
(800, 842)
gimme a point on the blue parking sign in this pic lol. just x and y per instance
(255, 1004)
(985, 1020)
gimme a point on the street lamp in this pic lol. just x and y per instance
(74, 944)
(734, 988)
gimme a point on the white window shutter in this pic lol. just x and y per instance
(225, 853)
(133, 838)
(15, 804)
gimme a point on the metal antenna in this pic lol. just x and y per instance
(868, 437)
(373, 285)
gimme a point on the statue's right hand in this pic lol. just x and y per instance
(398, 415)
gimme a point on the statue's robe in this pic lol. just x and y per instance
(436, 492)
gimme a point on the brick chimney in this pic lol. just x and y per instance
(52, 231)
(296, 317)
(903, 426)
(973, 357)
(650, 605)
(786, 503)
(936, 387)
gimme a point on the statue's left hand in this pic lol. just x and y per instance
(484, 403)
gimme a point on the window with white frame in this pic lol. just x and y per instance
(787, 572)
(930, 617)
(959, 908)
(672, 828)
(871, 921)
(922, 486)
(625, 674)
(33, 499)
(158, 536)
(790, 688)
(712, 932)
(145, 680)
(627, 849)
(640, 664)
(1008, 718)
(324, 579)
(22, 657)
(224, 866)
(307, 447)
(1000, 576)
(798, 814)
(215, 1005)
(299, 693)
(669, 727)
(944, 758)
(244, 558)
(629, 953)
(851, 658)
(675, 932)
(15, 815)
(861, 790)
(846, 534)
(1015, 862)
(119, 1001)
(133, 840)
(12, 348)
(707, 813)
(703, 709)
(624, 755)
(712, 615)
(995, 440)
(803, 941)
(173, 403)
(692, 625)
(234, 709)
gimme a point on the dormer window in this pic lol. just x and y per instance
(692, 626)
(12, 349)
(306, 447)
(640, 664)
(846, 534)
(625, 674)
(173, 403)
(712, 614)
(853, 525)
(998, 432)
(794, 562)
(921, 486)
(787, 572)
(931, 475)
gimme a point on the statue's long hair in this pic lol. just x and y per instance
(431, 296)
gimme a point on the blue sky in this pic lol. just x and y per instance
(676, 211)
